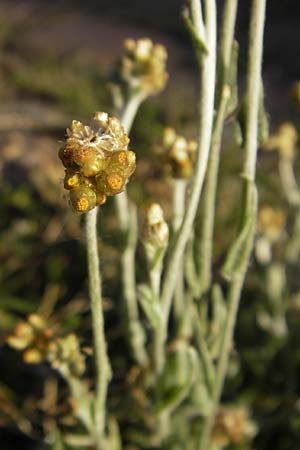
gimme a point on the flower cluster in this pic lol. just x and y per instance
(143, 67)
(97, 161)
(33, 337)
(178, 154)
(65, 356)
(284, 140)
(39, 343)
(232, 426)
(156, 230)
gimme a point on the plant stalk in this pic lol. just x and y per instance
(179, 192)
(100, 351)
(206, 110)
(127, 218)
(209, 195)
(237, 282)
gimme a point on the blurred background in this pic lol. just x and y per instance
(55, 60)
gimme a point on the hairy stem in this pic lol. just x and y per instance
(100, 351)
(253, 93)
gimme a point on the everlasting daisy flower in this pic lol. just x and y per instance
(97, 161)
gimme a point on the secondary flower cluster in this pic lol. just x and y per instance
(143, 67)
(232, 426)
(32, 337)
(178, 154)
(39, 343)
(97, 161)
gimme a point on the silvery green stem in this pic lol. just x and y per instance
(209, 195)
(131, 108)
(100, 351)
(127, 218)
(237, 282)
(179, 192)
(227, 36)
(155, 271)
(206, 111)
(253, 86)
(197, 18)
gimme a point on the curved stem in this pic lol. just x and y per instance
(100, 352)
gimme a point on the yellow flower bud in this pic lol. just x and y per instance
(83, 199)
(122, 162)
(71, 180)
(110, 183)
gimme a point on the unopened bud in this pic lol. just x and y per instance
(156, 230)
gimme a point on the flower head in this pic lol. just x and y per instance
(97, 161)
(32, 337)
(143, 67)
(178, 154)
(65, 356)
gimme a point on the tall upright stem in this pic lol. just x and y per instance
(100, 351)
(253, 93)
(205, 243)
(206, 111)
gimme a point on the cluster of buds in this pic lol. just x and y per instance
(232, 426)
(39, 343)
(178, 154)
(156, 230)
(270, 228)
(33, 338)
(65, 356)
(284, 140)
(143, 67)
(271, 223)
(97, 161)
